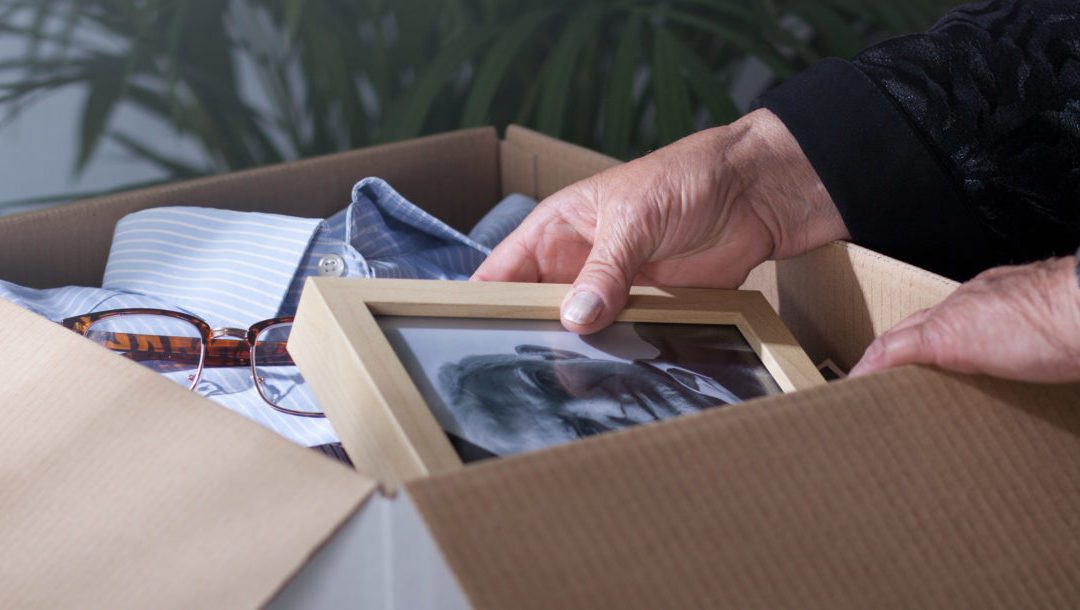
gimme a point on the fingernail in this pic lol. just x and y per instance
(582, 307)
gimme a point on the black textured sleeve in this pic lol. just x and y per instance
(957, 149)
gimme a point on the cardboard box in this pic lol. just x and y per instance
(912, 488)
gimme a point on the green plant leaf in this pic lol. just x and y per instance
(405, 118)
(836, 35)
(732, 9)
(381, 69)
(704, 83)
(176, 168)
(498, 59)
(619, 106)
(105, 91)
(741, 40)
(294, 11)
(673, 111)
(557, 76)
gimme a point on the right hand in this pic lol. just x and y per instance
(702, 211)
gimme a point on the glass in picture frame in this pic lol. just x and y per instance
(503, 386)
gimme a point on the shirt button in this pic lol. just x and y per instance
(331, 265)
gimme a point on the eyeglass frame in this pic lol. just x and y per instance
(214, 352)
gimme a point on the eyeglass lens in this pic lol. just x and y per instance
(276, 376)
(175, 348)
(169, 346)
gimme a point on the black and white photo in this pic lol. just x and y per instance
(509, 386)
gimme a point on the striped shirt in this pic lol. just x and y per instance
(233, 269)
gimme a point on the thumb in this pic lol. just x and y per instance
(602, 287)
(903, 345)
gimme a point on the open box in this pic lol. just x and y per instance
(911, 488)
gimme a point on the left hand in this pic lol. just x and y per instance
(1018, 323)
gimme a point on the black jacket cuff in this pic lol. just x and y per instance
(894, 193)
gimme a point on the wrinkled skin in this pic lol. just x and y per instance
(707, 209)
(1019, 322)
(703, 211)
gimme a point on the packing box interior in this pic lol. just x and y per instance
(911, 488)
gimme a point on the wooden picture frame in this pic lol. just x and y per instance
(375, 406)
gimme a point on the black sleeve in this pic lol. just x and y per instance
(957, 149)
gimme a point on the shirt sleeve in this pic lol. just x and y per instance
(957, 149)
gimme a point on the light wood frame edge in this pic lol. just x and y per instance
(390, 432)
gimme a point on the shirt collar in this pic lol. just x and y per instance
(382, 224)
(231, 268)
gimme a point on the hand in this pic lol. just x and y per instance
(703, 211)
(1012, 322)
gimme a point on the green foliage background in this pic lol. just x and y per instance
(620, 76)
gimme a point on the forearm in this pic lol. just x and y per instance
(994, 89)
(954, 149)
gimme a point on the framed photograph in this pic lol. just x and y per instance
(421, 376)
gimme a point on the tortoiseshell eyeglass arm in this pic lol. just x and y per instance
(184, 350)
(143, 348)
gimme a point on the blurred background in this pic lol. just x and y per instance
(104, 95)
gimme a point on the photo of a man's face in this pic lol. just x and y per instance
(508, 386)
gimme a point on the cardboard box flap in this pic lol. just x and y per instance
(909, 489)
(837, 298)
(538, 165)
(455, 174)
(119, 488)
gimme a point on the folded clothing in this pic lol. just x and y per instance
(233, 269)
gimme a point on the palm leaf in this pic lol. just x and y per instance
(381, 69)
(673, 111)
(739, 39)
(557, 75)
(176, 168)
(105, 92)
(619, 107)
(499, 58)
(709, 89)
(404, 120)
(834, 33)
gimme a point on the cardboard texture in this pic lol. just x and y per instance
(538, 165)
(121, 489)
(907, 489)
(911, 489)
(837, 298)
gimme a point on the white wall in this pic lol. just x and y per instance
(38, 150)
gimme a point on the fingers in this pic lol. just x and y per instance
(602, 286)
(510, 261)
(910, 342)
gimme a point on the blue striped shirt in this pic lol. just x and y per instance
(233, 269)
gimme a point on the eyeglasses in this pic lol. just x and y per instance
(180, 346)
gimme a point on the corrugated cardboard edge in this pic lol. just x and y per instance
(538, 165)
(119, 488)
(456, 173)
(909, 489)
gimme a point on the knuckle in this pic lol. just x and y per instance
(935, 340)
(606, 272)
